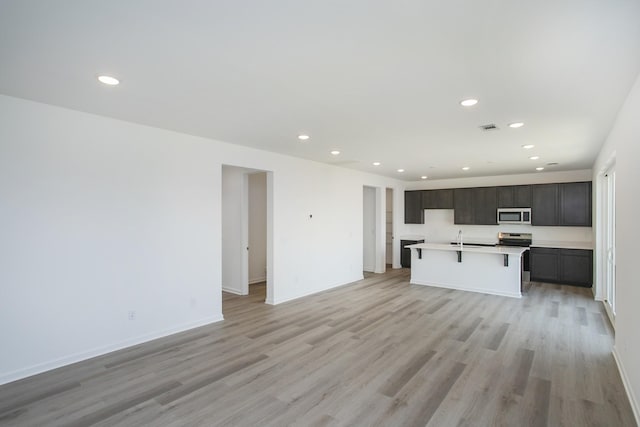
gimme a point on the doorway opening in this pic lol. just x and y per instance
(257, 262)
(373, 229)
(247, 224)
(389, 229)
(369, 229)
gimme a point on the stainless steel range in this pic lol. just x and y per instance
(522, 240)
(514, 239)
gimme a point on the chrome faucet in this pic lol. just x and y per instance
(459, 240)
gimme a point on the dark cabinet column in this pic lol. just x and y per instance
(463, 205)
(485, 205)
(514, 196)
(413, 213)
(475, 205)
(506, 197)
(575, 204)
(544, 207)
(544, 264)
(522, 196)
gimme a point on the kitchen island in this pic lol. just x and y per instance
(493, 270)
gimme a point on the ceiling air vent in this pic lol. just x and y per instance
(490, 126)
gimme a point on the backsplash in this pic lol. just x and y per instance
(439, 227)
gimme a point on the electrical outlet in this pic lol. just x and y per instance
(132, 315)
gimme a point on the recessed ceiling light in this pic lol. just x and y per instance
(376, 163)
(423, 177)
(466, 168)
(534, 157)
(469, 102)
(108, 80)
(400, 170)
(540, 168)
(335, 152)
(528, 146)
(516, 125)
(303, 137)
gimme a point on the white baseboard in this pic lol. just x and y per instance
(99, 351)
(627, 386)
(232, 291)
(610, 314)
(258, 280)
(287, 299)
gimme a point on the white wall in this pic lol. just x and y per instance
(234, 229)
(369, 229)
(439, 226)
(100, 217)
(257, 227)
(624, 142)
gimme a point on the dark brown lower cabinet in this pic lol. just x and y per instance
(543, 263)
(576, 267)
(405, 253)
(566, 266)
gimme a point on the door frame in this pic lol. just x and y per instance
(609, 241)
(241, 256)
(604, 213)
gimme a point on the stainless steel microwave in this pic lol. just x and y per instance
(514, 216)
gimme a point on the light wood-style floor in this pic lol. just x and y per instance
(376, 352)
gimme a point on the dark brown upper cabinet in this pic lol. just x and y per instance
(475, 205)
(565, 204)
(575, 204)
(544, 204)
(413, 212)
(485, 203)
(437, 199)
(514, 196)
(463, 206)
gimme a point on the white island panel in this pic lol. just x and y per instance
(482, 269)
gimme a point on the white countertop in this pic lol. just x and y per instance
(561, 244)
(502, 250)
(536, 243)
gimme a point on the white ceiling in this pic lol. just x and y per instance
(377, 80)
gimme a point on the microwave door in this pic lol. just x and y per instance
(512, 216)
